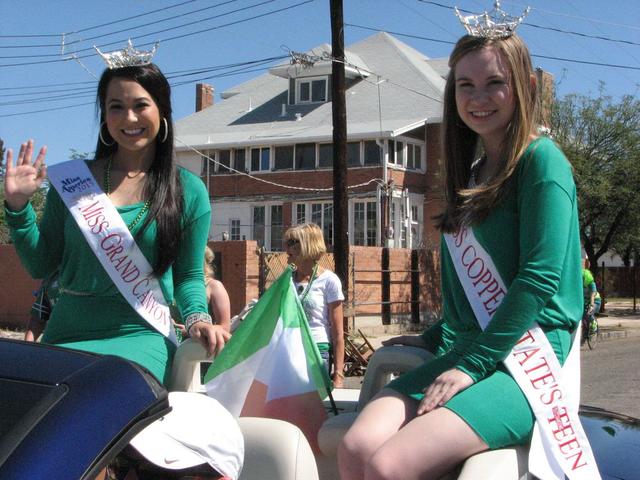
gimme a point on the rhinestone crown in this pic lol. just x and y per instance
(494, 24)
(127, 57)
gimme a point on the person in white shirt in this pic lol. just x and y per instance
(320, 292)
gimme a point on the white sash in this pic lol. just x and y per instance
(112, 243)
(559, 445)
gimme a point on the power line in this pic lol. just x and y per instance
(45, 110)
(547, 57)
(528, 24)
(178, 84)
(188, 24)
(234, 68)
(169, 75)
(117, 42)
(289, 7)
(163, 9)
(95, 26)
(577, 17)
(400, 34)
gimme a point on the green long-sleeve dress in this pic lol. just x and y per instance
(91, 314)
(533, 238)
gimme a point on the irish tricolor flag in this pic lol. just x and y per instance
(271, 367)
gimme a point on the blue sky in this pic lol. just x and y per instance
(298, 26)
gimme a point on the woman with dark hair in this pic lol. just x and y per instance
(114, 299)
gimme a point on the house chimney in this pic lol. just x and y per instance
(204, 96)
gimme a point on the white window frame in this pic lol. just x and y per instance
(415, 222)
(310, 80)
(407, 143)
(352, 222)
(267, 224)
(210, 166)
(233, 223)
(234, 152)
(260, 149)
(217, 163)
(308, 216)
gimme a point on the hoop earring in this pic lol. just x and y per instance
(102, 138)
(166, 130)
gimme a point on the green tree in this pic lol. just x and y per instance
(601, 139)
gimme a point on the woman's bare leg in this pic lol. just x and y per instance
(380, 420)
(428, 447)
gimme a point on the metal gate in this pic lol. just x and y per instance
(272, 264)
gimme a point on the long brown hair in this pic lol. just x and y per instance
(163, 186)
(460, 144)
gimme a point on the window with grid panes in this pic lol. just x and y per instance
(414, 156)
(224, 160)
(327, 224)
(259, 225)
(371, 224)
(316, 213)
(239, 160)
(353, 154)
(403, 226)
(372, 153)
(359, 223)
(305, 156)
(415, 226)
(208, 167)
(399, 153)
(312, 90)
(325, 155)
(283, 157)
(392, 152)
(319, 90)
(276, 228)
(260, 159)
(234, 229)
(301, 213)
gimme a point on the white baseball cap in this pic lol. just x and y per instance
(197, 430)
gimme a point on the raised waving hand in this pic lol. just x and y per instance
(24, 178)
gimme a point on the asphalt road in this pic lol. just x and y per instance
(611, 376)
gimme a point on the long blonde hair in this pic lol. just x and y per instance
(461, 146)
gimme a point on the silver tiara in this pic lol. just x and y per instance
(494, 24)
(127, 57)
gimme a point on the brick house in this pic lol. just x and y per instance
(265, 150)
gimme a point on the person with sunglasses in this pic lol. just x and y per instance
(320, 292)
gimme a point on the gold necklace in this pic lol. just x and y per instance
(107, 187)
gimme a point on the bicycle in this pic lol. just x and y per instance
(589, 327)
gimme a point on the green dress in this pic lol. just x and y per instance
(533, 238)
(91, 314)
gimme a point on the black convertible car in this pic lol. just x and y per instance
(66, 414)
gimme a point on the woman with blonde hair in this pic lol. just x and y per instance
(217, 297)
(320, 292)
(510, 261)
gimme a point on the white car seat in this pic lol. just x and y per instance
(273, 449)
(504, 464)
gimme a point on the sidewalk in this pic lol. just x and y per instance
(619, 321)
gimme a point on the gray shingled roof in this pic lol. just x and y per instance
(411, 90)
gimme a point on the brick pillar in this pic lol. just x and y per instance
(204, 96)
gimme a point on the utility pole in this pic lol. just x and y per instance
(339, 111)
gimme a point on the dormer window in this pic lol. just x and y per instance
(311, 90)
